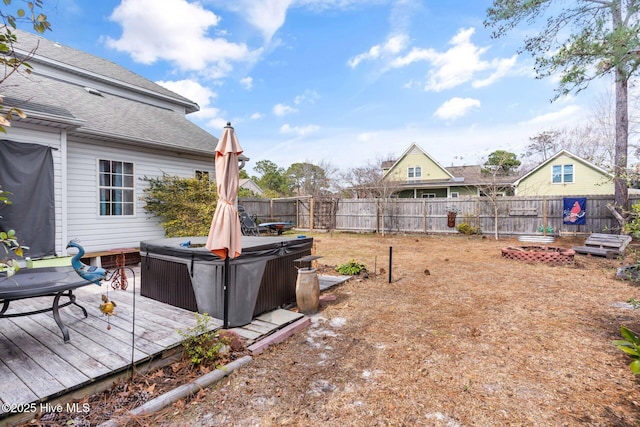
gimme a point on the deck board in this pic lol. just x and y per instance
(12, 389)
(44, 357)
(36, 365)
(87, 364)
(39, 381)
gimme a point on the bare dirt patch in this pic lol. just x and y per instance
(460, 337)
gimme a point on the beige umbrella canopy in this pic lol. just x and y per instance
(225, 235)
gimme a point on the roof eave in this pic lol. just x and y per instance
(190, 107)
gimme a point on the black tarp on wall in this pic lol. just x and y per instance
(26, 170)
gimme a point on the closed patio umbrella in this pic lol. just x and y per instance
(225, 236)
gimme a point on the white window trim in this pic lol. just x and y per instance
(414, 169)
(562, 181)
(455, 194)
(99, 187)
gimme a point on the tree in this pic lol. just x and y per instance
(544, 144)
(502, 162)
(583, 41)
(592, 140)
(11, 61)
(498, 165)
(273, 179)
(307, 179)
(369, 181)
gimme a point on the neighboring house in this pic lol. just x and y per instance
(417, 175)
(249, 184)
(99, 129)
(565, 174)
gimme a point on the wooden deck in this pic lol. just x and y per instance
(36, 366)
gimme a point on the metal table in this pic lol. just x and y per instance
(56, 282)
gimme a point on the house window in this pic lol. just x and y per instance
(562, 174)
(428, 195)
(455, 194)
(415, 172)
(116, 188)
(203, 175)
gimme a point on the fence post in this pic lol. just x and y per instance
(390, 262)
(424, 216)
(544, 216)
(311, 213)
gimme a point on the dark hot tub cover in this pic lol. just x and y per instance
(206, 270)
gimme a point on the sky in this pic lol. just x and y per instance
(337, 82)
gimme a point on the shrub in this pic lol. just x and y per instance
(184, 206)
(632, 226)
(352, 268)
(204, 346)
(466, 228)
(9, 243)
(631, 346)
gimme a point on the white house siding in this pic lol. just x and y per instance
(53, 138)
(97, 232)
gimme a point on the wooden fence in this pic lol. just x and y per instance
(515, 215)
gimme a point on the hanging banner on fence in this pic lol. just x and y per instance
(574, 210)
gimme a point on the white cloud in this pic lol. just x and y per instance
(267, 16)
(460, 63)
(247, 83)
(367, 136)
(457, 65)
(202, 95)
(392, 46)
(147, 30)
(298, 130)
(555, 117)
(309, 97)
(456, 108)
(283, 110)
(502, 68)
(190, 89)
(256, 116)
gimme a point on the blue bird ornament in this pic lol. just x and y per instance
(91, 273)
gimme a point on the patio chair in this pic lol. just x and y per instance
(247, 224)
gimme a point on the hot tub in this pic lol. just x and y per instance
(183, 273)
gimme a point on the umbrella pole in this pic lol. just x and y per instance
(225, 324)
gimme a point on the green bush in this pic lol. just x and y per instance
(631, 346)
(9, 243)
(352, 268)
(632, 226)
(184, 206)
(204, 346)
(466, 228)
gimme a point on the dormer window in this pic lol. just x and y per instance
(415, 172)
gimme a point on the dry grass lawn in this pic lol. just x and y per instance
(460, 337)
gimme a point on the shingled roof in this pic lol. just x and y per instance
(473, 175)
(126, 107)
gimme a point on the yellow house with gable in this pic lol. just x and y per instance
(565, 174)
(417, 175)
